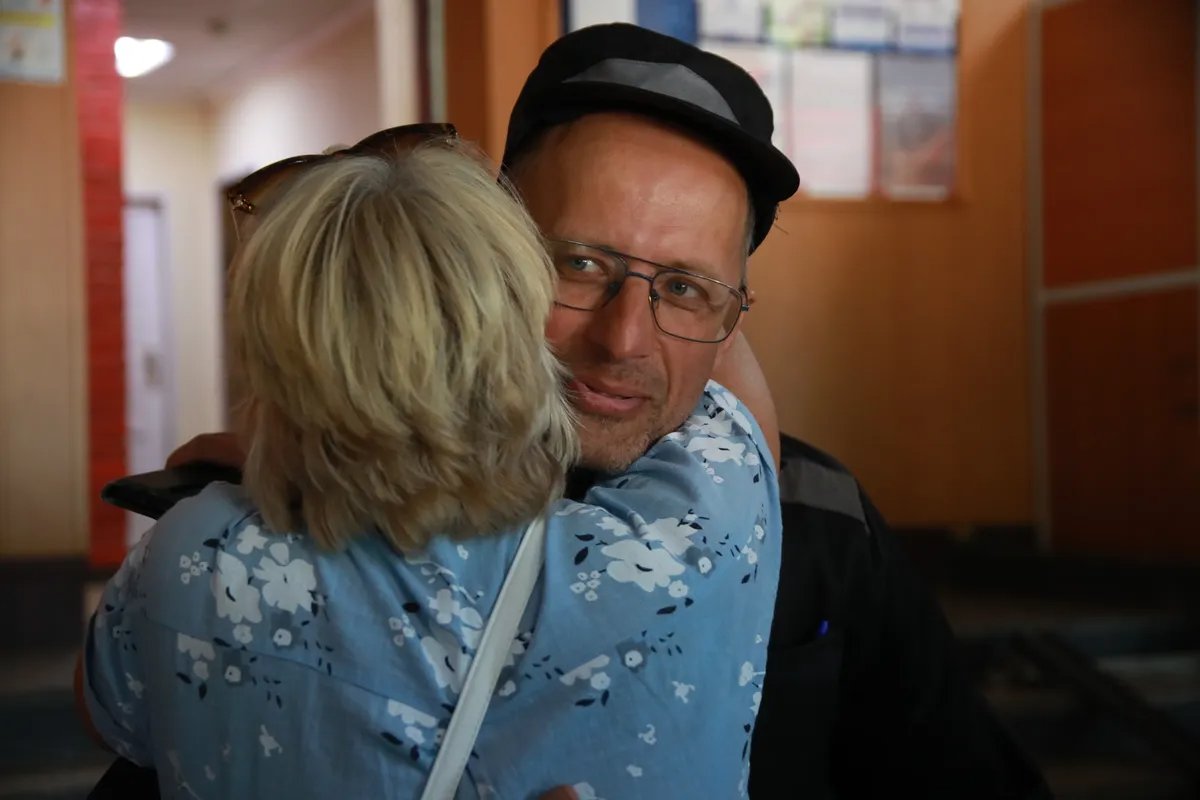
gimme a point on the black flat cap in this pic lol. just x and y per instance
(622, 67)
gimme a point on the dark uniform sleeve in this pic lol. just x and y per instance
(866, 694)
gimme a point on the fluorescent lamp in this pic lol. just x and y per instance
(138, 56)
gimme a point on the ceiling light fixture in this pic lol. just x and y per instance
(138, 56)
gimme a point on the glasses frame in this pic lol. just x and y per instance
(615, 288)
(239, 196)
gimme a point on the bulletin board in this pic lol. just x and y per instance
(864, 91)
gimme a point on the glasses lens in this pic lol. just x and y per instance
(694, 307)
(587, 276)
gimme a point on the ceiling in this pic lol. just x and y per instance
(216, 40)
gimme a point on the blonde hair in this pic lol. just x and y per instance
(388, 315)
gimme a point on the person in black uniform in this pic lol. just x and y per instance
(647, 147)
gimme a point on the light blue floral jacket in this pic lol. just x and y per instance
(244, 663)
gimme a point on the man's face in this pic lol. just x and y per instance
(626, 183)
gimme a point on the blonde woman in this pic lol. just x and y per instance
(307, 634)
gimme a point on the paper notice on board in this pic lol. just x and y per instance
(731, 19)
(798, 22)
(916, 126)
(583, 13)
(867, 24)
(929, 26)
(831, 122)
(31, 41)
(768, 65)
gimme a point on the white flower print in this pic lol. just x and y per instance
(584, 671)
(594, 583)
(649, 736)
(751, 555)
(717, 450)
(614, 526)
(409, 715)
(633, 563)
(236, 599)
(243, 634)
(135, 686)
(591, 596)
(759, 533)
(677, 589)
(445, 605)
(579, 587)
(584, 791)
(200, 669)
(233, 674)
(269, 745)
(447, 608)
(600, 681)
(507, 689)
(250, 539)
(288, 584)
(755, 700)
(634, 770)
(191, 567)
(463, 553)
(414, 734)
(747, 674)
(196, 648)
(633, 658)
(675, 534)
(731, 410)
(282, 638)
(683, 690)
(447, 659)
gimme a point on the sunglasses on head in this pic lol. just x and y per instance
(247, 196)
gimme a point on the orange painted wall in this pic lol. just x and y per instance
(895, 335)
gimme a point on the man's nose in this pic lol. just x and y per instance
(624, 327)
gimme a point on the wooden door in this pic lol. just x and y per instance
(1116, 275)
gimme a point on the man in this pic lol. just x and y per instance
(635, 144)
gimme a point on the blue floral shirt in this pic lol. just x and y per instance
(244, 663)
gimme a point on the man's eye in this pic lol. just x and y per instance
(580, 266)
(684, 289)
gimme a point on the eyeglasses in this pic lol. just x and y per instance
(246, 199)
(684, 305)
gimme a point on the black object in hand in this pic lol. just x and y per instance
(152, 494)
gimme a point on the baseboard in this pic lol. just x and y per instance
(42, 600)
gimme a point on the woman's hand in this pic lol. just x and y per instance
(218, 448)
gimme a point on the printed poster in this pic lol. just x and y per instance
(31, 41)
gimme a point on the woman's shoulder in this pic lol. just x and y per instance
(195, 523)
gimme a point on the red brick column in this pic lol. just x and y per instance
(97, 24)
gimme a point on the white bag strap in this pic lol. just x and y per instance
(494, 647)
